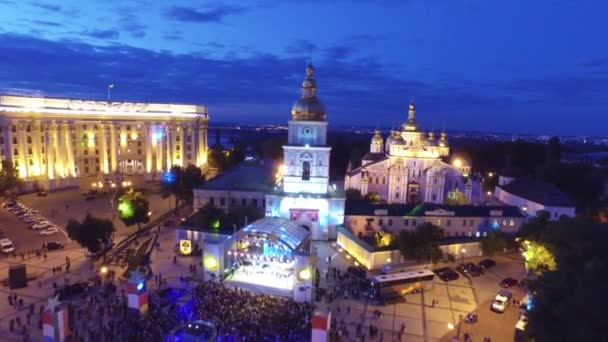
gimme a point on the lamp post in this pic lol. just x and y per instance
(463, 251)
(459, 324)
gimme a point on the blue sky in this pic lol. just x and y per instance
(515, 66)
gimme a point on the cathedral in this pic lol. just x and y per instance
(408, 167)
(304, 194)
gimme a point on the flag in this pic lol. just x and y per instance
(111, 85)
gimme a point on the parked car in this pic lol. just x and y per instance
(52, 245)
(41, 194)
(72, 290)
(40, 225)
(508, 282)
(9, 204)
(487, 263)
(6, 246)
(447, 274)
(522, 323)
(49, 231)
(438, 271)
(475, 271)
(501, 301)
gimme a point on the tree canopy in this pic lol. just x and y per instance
(180, 181)
(216, 218)
(373, 197)
(494, 242)
(456, 197)
(422, 243)
(133, 208)
(9, 176)
(570, 299)
(353, 194)
(91, 232)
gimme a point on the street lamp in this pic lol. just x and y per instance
(463, 252)
(459, 324)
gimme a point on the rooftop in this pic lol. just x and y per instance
(257, 175)
(365, 208)
(538, 191)
(287, 231)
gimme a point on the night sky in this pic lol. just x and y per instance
(517, 66)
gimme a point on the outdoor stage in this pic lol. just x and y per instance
(268, 280)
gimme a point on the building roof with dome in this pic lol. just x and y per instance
(309, 107)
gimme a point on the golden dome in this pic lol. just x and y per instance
(308, 107)
(377, 138)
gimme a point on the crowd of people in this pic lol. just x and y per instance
(250, 316)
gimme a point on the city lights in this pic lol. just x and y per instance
(457, 163)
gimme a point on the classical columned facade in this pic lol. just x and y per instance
(58, 140)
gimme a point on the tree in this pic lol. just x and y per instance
(383, 239)
(456, 197)
(180, 182)
(133, 208)
(91, 232)
(569, 301)
(353, 194)
(212, 217)
(538, 258)
(493, 242)
(9, 176)
(372, 197)
(422, 243)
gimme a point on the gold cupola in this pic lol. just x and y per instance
(309, 107)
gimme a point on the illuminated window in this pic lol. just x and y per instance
(511, 223)
(306, 171)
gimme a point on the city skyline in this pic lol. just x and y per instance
(474, 66)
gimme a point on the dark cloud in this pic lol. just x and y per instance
(131, 24)
(594, 62)
(102, 34)
(301, 46)
(207, 15)
(47, 7)
(45, 23)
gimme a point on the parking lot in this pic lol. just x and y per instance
(61, 206)
(425, 322)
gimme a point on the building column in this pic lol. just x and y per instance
(169, 154)
(36, 134)
(182, 141)
(103, 142)
(148, 147)
(8, 149)
(201, 146)
(70, 166)
(159, 148)
(113, 148)
(23, 155)
(58, 146)
(49, 144)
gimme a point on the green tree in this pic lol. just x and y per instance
(373, 197)
(422, 243)
(456, 197)
(180, 182)
(133, 208)
(538, 258)
(383, 239)
(353, 194)
(493, 242)
(9, 177)
(569, 301)
(91, 232)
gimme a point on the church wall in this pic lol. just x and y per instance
(530, 207)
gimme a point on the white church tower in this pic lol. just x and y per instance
(304, 194)
(306, 155)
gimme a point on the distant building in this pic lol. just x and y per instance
(408, 168)
(53, 142)
(532, 196)
(365, 218)
(244, 185)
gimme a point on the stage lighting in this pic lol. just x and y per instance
(140, 286)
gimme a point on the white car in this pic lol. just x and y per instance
(6, 246)
(49, 231)
(41, 225)
(502, 300)
(522, 323)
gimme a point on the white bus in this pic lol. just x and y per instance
(386, 287)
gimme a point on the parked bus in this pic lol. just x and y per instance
(389, 288)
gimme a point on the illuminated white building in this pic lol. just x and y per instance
(304, 193)
(408, 168)
(53, 142)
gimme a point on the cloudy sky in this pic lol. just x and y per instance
(515, 66)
